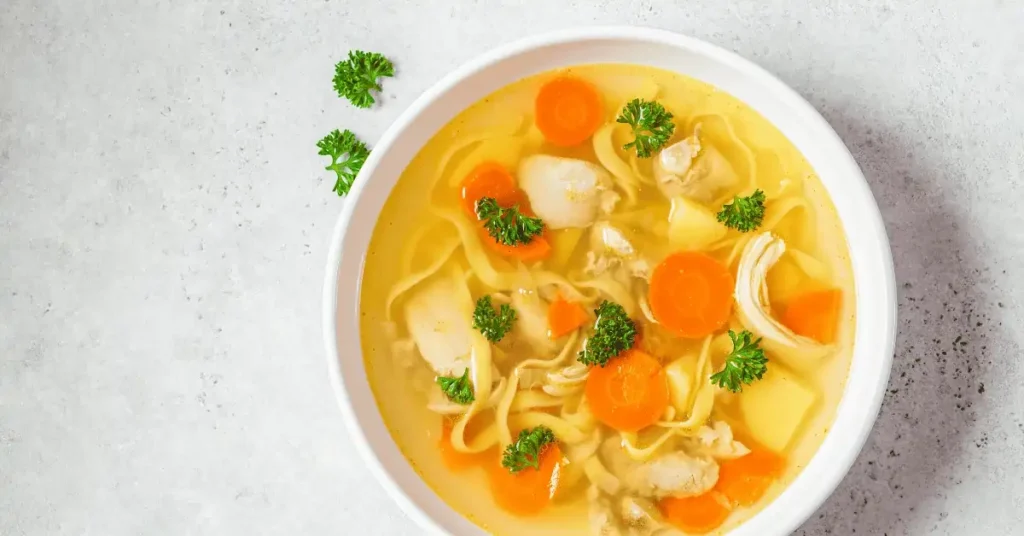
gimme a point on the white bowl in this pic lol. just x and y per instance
(862, 223)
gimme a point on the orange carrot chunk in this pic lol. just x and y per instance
(564, 317)
(568, 111)
(815, 314)
(703, 513)
(529, 491)
(538, 248)
(691, 294)
(629, 393)
(455, 460)
(489, 179)
(745, 479)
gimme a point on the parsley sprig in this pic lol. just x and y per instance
(614, 333)
(457, 389)
(356, 76)
(652, 126)
(348, 155)
(743, 365)
(494, 324)
(507, 225)
(527, 448)
(744, 213)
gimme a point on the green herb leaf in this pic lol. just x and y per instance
(458, 390)
(348, 155)
(652, 126)
(356, 76)
(744, 213)
(614, 333)
(493, 324)
(526, 450)
(743, 365)
(507, 225)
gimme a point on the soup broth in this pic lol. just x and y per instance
(565, 335)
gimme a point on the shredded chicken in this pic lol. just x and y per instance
(754, 307)
(717, 441)
(673, 474)
(610, 249)
(686, 168)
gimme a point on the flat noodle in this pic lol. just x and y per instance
(479, 154)
(447, 407)
(814, 268)
(415, 240)
(569, 291)
(555, 361)
(447, 248)
(604, 149)
(533, 399)
(615, 291)
(477, 257)
(501, 412)
(458, 145)
(576, 411)
(642, 454)
(702, 396)
(510, 399)
(480, 371)
(564, 431)
(643, 178)
(601, 477)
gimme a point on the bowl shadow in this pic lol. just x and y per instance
(942, 361)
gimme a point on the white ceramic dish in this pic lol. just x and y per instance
(869, 250)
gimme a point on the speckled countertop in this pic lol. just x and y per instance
(164, 222)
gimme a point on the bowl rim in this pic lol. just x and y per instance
(820, 486)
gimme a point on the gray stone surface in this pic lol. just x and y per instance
(164, 221)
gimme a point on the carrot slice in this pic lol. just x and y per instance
(815, 314)
(564, 317)
(699, 514)
(455, 460)
(529, 491)
(629, 393)
(489, 179)
(568, 111)
(537, 249)
(691, 294)
(745, 479)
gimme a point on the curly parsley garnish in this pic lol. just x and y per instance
(526, 450)
(614, 333)
(494, 324)
(507, 225)
(348, 155)
(458, 390)
(744, 213)
(743, 365)
(356, 76)
(652, 126)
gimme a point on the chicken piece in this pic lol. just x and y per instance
(717, 441)
(671, 474)
(610, 248)
(439, 316)
(564, 192)
(640, 516)
(754, 307)
(531, 325)
(599, 513)
(686, 168)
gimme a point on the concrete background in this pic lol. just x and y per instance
(164, 221)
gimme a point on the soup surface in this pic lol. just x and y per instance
(577, 325)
